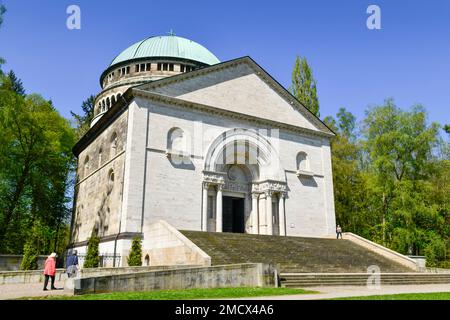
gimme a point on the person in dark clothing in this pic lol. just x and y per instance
(72, 264)
(338, 232)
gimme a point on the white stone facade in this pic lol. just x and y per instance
(219, 149)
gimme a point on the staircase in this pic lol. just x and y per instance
(298, 280)
(292, 254)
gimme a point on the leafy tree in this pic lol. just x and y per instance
(303, 85)
(92, 256)
(348, 180)
(447, 128)
(83, 121)
(36, 158)
(135, 256)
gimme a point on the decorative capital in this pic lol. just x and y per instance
(206, 185)
(269, 193)
(220, 187)
(255, 195)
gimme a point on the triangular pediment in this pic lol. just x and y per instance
(240, 86)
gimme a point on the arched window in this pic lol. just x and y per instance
(176, 140)
(103, 105)
(86, 165)
(110, 183)
(113, 100)
(114, 146)
(100, 154)
(111, 176)
(302, 162)
(108, 103)
(147, 260)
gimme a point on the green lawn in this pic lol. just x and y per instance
(404, 296)
(183, 294)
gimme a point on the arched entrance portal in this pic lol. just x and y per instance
(244, 187)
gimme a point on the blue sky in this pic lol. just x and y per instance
(408, 59)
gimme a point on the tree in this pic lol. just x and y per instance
(92, 257)
(135, 256)
(2, 11)
(35, 161)
(447, 128)
(83, 121)
(15, 83)
(399, 146)
(303, 85)
(348, 180)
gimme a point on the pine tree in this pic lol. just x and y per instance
(15, 83)
(135, 256)
(92, 257)
(304, 85)
(2, 11)
(83, 121)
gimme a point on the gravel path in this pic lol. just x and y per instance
(14, 291)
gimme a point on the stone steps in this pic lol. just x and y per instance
(291, 254)
(293, 280)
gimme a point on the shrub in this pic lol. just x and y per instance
(30, 256)
(135, 257)
(92, 256)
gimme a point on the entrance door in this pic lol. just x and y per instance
(233, 215)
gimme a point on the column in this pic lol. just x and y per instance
(205, 207)
(282, 221)
(219, 208)
(269, 213)
(255, 220)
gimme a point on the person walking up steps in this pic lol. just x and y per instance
(50, 271)
(338, 232)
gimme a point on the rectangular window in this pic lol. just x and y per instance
(211, 207)
(142, 67)
(136, 68)
(148, 67)
(170, 66)
(181, 67)
(128, 70)
(165, 66)
(159, 66)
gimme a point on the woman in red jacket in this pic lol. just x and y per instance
(50, 270)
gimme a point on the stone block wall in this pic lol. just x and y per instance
(239, 275)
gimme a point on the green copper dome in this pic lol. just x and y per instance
(167, 46)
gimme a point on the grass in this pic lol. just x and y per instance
(183, 294)
(404, 296)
